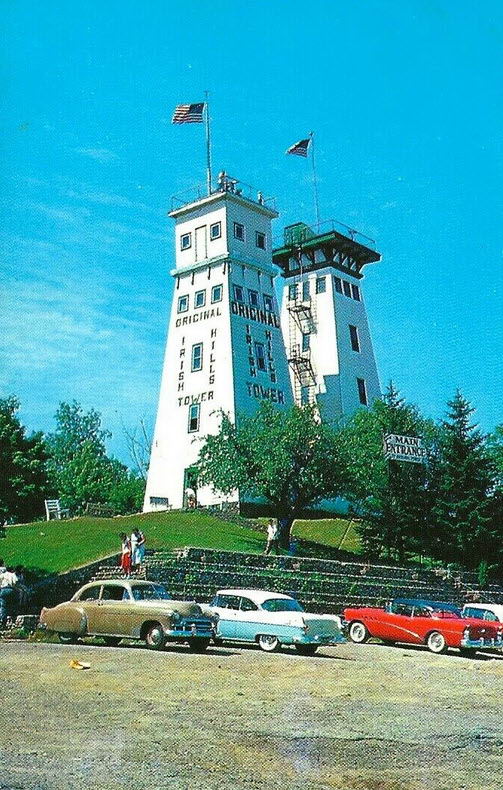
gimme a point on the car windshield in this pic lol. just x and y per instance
(446, 614)
(281, 605)
(150, 592)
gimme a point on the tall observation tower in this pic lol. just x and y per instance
(225, 348)
(323, 318)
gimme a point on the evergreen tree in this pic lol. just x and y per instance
(463, 478)
(23, 479)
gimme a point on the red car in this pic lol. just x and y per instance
(435, 624)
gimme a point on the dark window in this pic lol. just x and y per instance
(306, 290)
(226, 601)
(338, 284)
(238, 293)
(216, 293)
(347, 288)
(114, 594)
(197, 357)
(253, 298)
(185, 241)
(356, 292)
(292, 292)
(183, 304)
(306, 342)
(90, 595)
(260, 356)
(355, 340)
(194, 410)
(247, 606)
(239, 231)
(200, 299)
(321, 285)
(260, 240)
(304, 395)
(215, 231)
(268, 303)
(362, 391)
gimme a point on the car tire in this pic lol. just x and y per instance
(111, 641)
(358, 632)
(67, 639)
(268, 643)
(155, 638)
(199, 644)
(306, 650)
(436, 643)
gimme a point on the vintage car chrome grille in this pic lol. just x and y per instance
(202, 626)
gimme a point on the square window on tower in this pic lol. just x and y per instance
(347, 288)
(239, 231)
(362, 391)
(260, 240)
(197, 357)
(194, 413)
(306, 290)
(183, 304)
(253, 298)
(268, 303)
(321, 285)
(185, 241)
(215, 231)
(306, 342)
(216, 293)
(238, 294)
(292, 292)
(199, 298)
(353, 336)
(356, 292)
(260, 356)
(338, 284)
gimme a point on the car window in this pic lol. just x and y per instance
(401, 608)
(92, 594)
(421, 611)
(488, 615)
(150, 592)
(227, 601)
(115, 593)
(478, 614)
(281, 605)
(246, 605)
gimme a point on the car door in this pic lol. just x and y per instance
(112, 617)
(227, 607)
(247, 620)
(397, 624)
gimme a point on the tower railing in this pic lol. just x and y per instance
(300, 233)
(225, 184)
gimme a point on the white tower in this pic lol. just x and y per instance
(324, 321)
(224, 349)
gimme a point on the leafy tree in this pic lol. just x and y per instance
(287, 457)
(463, 480)
(23, 479)
(79, 466)
(391, 496)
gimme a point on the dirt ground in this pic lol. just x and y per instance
(354, 717)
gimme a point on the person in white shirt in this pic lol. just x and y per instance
(8, 595)
(272, 537)
(137, 548)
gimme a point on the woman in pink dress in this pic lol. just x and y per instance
(125, 560)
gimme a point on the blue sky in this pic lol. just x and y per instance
(406, 103)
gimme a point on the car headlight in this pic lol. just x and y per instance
(175, 617)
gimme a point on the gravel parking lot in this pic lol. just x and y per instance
(353, 718)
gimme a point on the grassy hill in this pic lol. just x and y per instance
(57, 546)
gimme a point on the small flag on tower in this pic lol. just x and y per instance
(188, 113)
(300, 148)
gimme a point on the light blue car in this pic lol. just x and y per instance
(272, 620)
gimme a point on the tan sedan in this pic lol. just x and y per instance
(130, 609)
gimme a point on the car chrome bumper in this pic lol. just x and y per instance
(190, 632)
(489, 644)
(319, 639)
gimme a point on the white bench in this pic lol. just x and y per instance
(53, 509)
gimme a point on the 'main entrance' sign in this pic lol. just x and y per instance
(404, 448)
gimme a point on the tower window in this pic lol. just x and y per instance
(306, 342)
(260, 356)
(304, 395)
(362, 391)
(306, 290)
(238, 293)
(260, 240)
(194, 412)
(338, 284)
(183, 304)
(239, 231)
(356, 292)
(215, 231)
(347, 288)
(197, 357)
(292, 292)
(216, 293)
(199, 298)
(355, 340)
(253, 298)
(321, 285)
(268, 303)
(185, 241)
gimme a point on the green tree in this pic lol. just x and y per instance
(80, 468)
(463, 480)
(23, 479)
(286, 457)
(391, 496)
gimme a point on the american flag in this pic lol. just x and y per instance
(188, 113)
(300, 148)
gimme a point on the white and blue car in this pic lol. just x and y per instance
(272, 620)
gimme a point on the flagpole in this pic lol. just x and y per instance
(208, 145)
(315, 184)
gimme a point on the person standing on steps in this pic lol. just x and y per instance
(125, 560)
(137, 548)
(272, 537)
